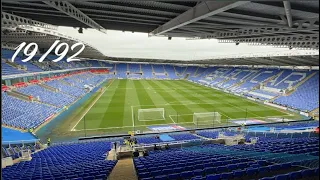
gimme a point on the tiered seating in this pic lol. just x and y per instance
(176, 136)
(71, 90)
(13, 141)
(183, 136)
(47, 96)
(206, 163)
(30, 67)
(8, 70)
(288, 78)
(94, 63)
(148, 140)
(180, 69)
(275, 158)
(134, 68)
(14, 150)
(24, 114)
(80, 160)
(261, 94)
(79, 80)
(305, 97)
(263, 75)
(190, 70)
(240, 75)
(121, 70)
(147, 71)
(170, 71)
(158, 68)
(213, 134)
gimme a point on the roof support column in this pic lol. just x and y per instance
(287, 8)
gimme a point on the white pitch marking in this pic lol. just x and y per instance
(132, 116)
(162, 124)
(129, 126)
(153, 120)
(92, 105)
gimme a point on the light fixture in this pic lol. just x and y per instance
(80, 30)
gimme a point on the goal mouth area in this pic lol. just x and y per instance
(206, 118)
(151, 114)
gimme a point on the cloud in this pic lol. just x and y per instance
(139, 45)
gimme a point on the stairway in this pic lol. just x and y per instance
(124, 170)
(184, 71)
(195, 73)
(19, 95)
(271, 78)
(175, 71)
(304, 80)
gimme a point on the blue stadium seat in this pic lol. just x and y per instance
(295, 175)
(163, 177)
(282, 177)
(174, 176)
(213, 177)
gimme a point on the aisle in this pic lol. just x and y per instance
(124, 170)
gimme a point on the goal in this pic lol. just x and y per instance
(151, 114)
(206, 118)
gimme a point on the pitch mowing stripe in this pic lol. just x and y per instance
(114, 113)
(208, 107)
(92, 106)
(182, 109)
(263, 110)
(158, 101)
(144, 99)
(241, 113)
(95, 113)
(131, 100)
(262, 107)
(203, 107)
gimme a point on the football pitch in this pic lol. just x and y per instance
(117, 107)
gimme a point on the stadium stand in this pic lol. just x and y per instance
(49, 97)
(271, 157)
(84, 160)
(297, 99)
(7, 69)
(46, 96)
(24, 114)
(236, 80)
(212, 162)
(147, 71)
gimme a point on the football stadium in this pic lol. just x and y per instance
(210, 108)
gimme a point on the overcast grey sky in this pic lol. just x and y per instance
(139, 45)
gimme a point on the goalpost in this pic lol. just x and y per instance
(206, 118)
(151, 114)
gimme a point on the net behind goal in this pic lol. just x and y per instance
(206, 118)
(151, 114)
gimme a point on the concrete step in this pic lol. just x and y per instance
(124, 170)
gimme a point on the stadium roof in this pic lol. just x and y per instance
(293, 24)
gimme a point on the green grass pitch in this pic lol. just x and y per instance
(118, 106)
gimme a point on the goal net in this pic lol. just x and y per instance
(151, 114)
(206, 118)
